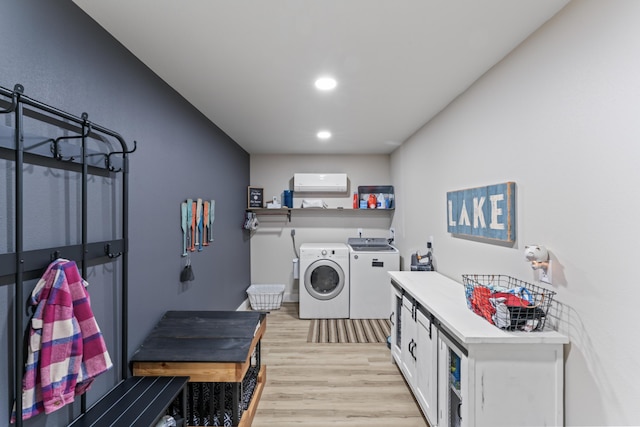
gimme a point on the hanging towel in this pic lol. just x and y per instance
(66, 347)
(314, 203)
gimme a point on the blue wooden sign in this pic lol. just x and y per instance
(488, 212)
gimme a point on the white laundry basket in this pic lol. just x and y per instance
(265, 297)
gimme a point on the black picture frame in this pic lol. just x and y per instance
(255, 197)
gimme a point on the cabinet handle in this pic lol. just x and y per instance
(412, 346)
(391, 319)
(431, 320)
(460, 410)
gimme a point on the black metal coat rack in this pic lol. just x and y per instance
(19, 265)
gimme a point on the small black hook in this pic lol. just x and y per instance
(55, 255)
(107, 160)
(107, 250)
(55, 149)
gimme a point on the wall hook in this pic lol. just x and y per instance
(55, 148)
(107, 161)
(540, 260)
(55, 255)
(107, 250)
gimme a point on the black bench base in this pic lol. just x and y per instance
(136, 401)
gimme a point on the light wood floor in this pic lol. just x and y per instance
(329, 384)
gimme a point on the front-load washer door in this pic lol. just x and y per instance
(324, 279)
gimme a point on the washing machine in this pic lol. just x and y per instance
(324, 281)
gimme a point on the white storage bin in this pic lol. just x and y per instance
(265, 297)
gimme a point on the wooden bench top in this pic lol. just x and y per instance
(201, 336)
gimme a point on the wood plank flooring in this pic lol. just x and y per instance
(310, 384)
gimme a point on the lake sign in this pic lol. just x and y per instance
(486, 212)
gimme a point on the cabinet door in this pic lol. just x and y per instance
(452, 385)
(407, 352)
(426, 390)
(396, 324)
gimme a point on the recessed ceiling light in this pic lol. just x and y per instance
(326, 83)
(324, 134)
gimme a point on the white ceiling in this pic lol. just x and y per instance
(250, 65)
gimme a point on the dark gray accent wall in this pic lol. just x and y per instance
(64, 59)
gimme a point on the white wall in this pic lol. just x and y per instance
(272, 249)
(559, 116)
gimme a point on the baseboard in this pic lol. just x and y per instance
(291, 297)
(244, 306)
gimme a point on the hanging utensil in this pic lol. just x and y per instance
(189, 215)
(194, 210)
(183, 213)
(205, 221)
(186, 275)
(212, 208)
(199, 222)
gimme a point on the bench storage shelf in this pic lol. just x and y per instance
(138, 402)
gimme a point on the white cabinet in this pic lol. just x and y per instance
(452, 368)
(407, 355)
(414, 347)
(426, 354)
(465, 372)
(396, 323)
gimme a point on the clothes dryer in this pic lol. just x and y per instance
(324, 281)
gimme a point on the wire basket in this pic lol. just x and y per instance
(506, 302)
(265, 297)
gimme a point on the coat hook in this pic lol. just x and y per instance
(55, 255)
(55, 149)
(107, 160)
(107, 250)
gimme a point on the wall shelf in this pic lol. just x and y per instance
(323, 212)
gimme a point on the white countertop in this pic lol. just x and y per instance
(445, 299)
